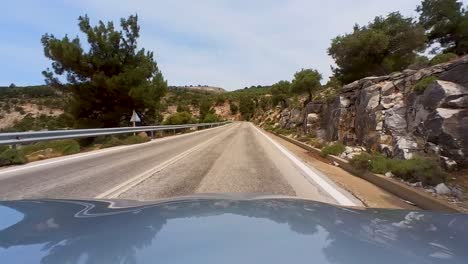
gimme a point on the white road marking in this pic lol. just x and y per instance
(332, 191)
(127, 185)
(96, 152)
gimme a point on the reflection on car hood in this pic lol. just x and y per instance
(225, 230)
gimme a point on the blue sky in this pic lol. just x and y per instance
(231, 44)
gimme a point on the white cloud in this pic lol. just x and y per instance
(233, 44)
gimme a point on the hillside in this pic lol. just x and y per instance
(206, 88)
(42, 107)
(31, 108)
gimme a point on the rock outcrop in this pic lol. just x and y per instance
(385, 114)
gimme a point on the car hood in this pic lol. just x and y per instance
(225, 230)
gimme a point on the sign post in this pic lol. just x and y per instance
(135, 118)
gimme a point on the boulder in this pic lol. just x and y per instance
(406, 146)
(395, 119)
(448, 164)
(312, 117)
(457, 73)
(295, 118)
(440, 92)
(441, 188)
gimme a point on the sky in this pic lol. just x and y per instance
(224, 43)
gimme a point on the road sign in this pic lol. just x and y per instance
(135, 117)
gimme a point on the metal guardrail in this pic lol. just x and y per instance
(37, 136)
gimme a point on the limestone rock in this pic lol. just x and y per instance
(441, 188)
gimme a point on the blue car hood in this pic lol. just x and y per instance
(225, 230)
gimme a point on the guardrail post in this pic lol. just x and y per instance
(152, 134)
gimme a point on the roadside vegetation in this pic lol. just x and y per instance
(333, 149)
(418, 169)
(422, 84)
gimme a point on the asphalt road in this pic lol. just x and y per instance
(236, 158)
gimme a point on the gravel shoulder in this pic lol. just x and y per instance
(371, 195)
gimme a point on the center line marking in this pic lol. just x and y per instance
(127, 185)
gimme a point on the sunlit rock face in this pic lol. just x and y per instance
(385, 114)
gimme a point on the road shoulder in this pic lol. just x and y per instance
(371, 195)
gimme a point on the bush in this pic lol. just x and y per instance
(135, 140)
(426, 171)
(333, 149)
(442, 58)
(234, 108)
(361, 161)
(420, 169)
(112, 142)
(282, 131)
(375, 163)
(180, 119)
(422, 84)
(61, 147)
(316, 143)
(211, 118)
(19, 109)
(11, 156)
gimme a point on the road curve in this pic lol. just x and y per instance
(236, 158)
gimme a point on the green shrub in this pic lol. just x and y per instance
(112, 141)
(420, 169)
(268, 127)
(211, 118)
(135, 140)
(333, 149)
(180, 119)
(442, 58)
(426, 171)
(11, 156)
(283, 131)
(63, 147)
(422, 84)
(361, 161)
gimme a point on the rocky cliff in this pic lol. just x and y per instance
(387, 114)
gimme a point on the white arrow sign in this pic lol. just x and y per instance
(135, 117)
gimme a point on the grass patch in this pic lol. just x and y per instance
(60, 147)
(417, 169)
(442, 58)
(422, 84)
(10, 156)
(333, 149)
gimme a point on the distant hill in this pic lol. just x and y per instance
(202, 88)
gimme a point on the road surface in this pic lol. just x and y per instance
(235, 158)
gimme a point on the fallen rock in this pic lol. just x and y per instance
(448, 164)
(388, 174)
(441, 188)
